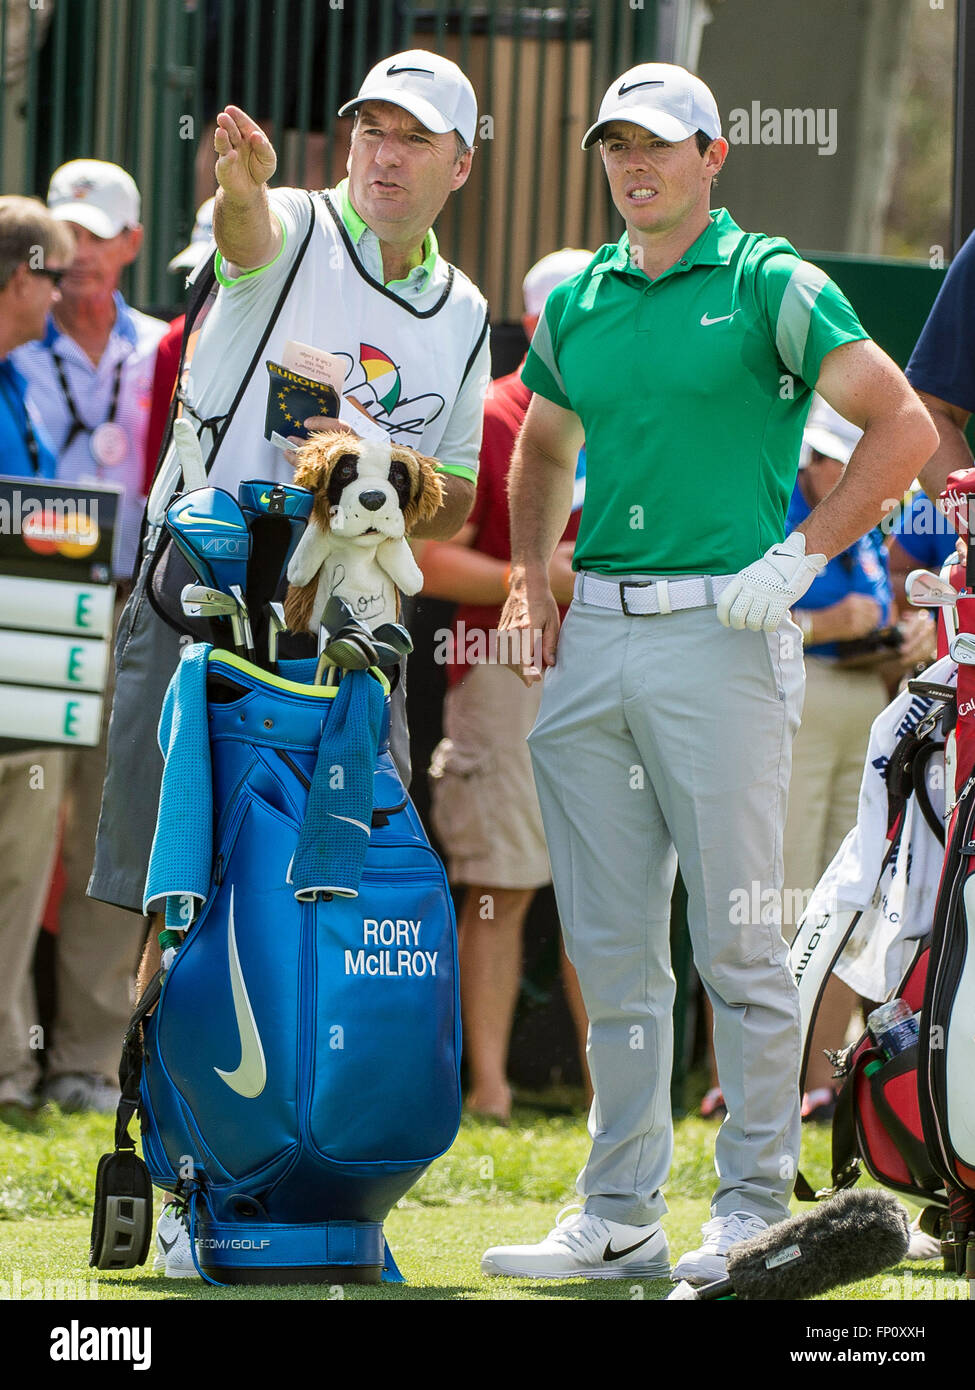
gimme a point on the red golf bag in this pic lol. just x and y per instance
(910, 1119)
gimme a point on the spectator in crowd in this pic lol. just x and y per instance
(35, 250)
(90, 377)
(483, 805)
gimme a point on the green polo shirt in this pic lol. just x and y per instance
(693, 391)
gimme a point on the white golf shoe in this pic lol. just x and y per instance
(585, 1246)
(173, 1255)
(708, 1262)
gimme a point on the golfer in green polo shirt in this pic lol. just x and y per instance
(686, 355)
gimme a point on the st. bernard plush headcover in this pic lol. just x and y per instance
(368, 497)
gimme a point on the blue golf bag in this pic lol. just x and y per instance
(300, 1070)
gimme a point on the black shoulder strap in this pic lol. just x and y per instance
(845, 1163)
(130, 1067)
(924, 756)
(204, 289)
(272, 320)
(204, 292)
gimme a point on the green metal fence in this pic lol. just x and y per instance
(138, 82)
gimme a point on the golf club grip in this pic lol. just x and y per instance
(969, 556)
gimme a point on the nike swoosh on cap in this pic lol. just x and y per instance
(396, 72)
(623, 89)
(610, 1254)
(248, 1079)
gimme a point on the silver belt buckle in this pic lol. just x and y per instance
(640, 584)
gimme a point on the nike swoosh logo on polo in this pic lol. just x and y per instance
(249, 1078)
(723, 318)
(610, 1254)
(633, 86)
(396, 72)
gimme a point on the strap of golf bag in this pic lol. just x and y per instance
(168, 574)
(130, 1067)
(121, 1223)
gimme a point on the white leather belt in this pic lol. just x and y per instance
(647, 598)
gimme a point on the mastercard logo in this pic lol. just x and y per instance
(73, 534)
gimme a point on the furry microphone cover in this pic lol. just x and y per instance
(848, 1237)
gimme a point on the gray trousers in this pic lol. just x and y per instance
(147, 653)
(658, 739)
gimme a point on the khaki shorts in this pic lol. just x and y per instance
(483, 803)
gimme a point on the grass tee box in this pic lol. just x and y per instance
(495, 1185)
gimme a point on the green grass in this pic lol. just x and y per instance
(495, 1186)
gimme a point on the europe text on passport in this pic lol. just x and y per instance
(293, 398)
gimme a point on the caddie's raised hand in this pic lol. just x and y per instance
(760, 595)
(245, 156)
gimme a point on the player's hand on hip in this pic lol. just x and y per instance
(245, 156)
(531, 617)
(759, 596)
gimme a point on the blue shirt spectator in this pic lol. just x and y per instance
(924, 533)
(25, 450)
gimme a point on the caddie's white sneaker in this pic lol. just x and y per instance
(585, 1246)
(707, 1263)
(173, 1256)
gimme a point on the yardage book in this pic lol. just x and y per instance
(57, 542)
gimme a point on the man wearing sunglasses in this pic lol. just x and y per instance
(90, 376)
(34, 249)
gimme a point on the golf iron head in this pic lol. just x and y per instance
(926, 590)
(961, 649)
(394, 635)
(202, 601)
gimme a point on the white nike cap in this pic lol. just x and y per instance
(431, 88)
(550, 271)
(665, 99)
(100, 197)
(829, 434)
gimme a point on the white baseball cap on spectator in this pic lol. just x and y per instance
(828, 433)
(100, 197)
(550, 271)
(200, 238)
(665, 99)
(431, 88)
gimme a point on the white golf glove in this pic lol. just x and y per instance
(760, 595)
